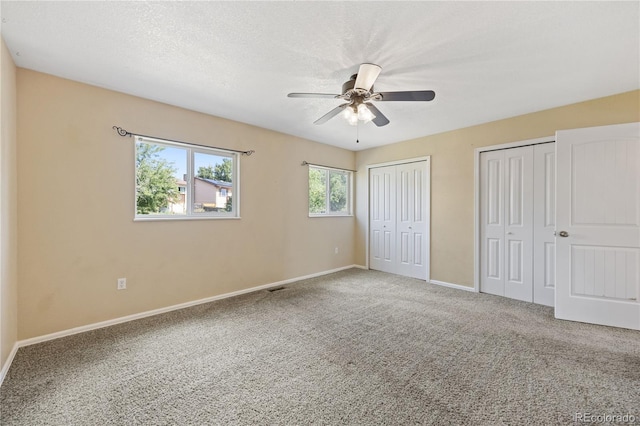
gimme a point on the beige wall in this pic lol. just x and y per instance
(76, 235)
(8, 206)
(452, 173)
(76, 232)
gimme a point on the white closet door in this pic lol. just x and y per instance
(518, 243)
(506, 220)
(598, 225)
(544, 221)
(382, 222)
(411, 220)
(492, 222)
(399, 219)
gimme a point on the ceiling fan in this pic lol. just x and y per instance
(358, 92)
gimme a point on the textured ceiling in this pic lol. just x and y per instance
(238, 60)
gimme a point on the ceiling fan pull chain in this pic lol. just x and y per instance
(358, 132)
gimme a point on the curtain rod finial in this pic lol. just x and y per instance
(121, 131)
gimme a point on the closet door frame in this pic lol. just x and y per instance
(427, 160)
(477, 241)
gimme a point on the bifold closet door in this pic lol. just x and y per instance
(411, 222)
(492, 222)
(382, 221)
(398, 221)
(506, 220)
(544, 222)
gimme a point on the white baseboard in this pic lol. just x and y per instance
(120, 320)
(456, 286)
(7, 364)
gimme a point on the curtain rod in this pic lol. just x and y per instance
(122, 132)
(306, 163)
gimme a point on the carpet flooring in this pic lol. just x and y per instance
(352, 348)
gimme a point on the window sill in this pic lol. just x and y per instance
(330, 215)
(174, 218)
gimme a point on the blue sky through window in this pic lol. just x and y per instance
(178, 158)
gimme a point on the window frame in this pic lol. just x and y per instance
(190, 179)
(328, 212)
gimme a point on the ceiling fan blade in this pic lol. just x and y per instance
(414, 95)
(328, 116)
(380, 119)
(367, 75)
(312, 95)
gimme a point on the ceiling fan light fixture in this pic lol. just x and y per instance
(358, 93)
(351, 115)
(365, 114)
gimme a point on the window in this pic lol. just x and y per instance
(179, 181)
(329, 191)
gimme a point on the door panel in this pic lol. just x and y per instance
(494, 258)
(549, 268)
(598, 199)
(544, 213)
(515, 262)
(494, 189)
(418, 242)
(605, 272)
(506, 221)
(388, 249)
(515, 188)
(492, 222)
(404, 189)
(405, 249)
(519, 223)
(411, 222)
(382, 219)
(405, 201)
(375, 244)
(594, 203)
(419, 180)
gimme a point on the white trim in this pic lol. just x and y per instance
(350, 193)
(476, 221)
(476, 197)
(7, 364)
(366, 222)
(517, 144)
(396, 162)
(456, 286)
(152, 218)
(427, 159)
(191, 151)
(120, 320)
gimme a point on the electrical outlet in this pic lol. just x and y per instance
(336, 250)
(122, 283)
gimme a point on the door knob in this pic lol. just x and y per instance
(410, 228)
(563, 234)
(509, 233)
